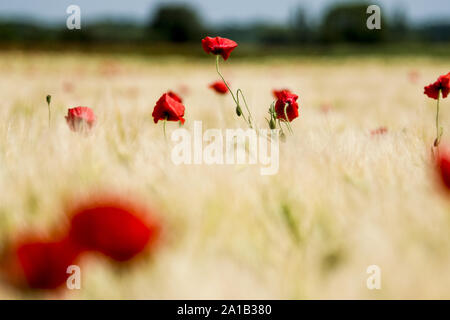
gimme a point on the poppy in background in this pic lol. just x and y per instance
(220, 87)
(167, 108)
(379, 131)
(286, 105)
(442, 84)
(413, 76)
(434, 90)
(219, 46)
(277, 93)
(80, 119)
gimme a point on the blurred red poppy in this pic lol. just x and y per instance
(40, 264)
(286, 105)
(80, 119)
(183, 89)
(277, 93)
(442, 84)
(326, 107)
(413, 76)
(379, 131)
(219, 46)
(443, 166)
(175, 97)
(219, 87)
(68, 86)
(116, 228)
(167, 108)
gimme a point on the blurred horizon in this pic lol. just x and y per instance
(285, 27)
(214, 12)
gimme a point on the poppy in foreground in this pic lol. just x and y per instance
(118, 229)
(80, 119)
(219, 46)
(220, 87)
(443, 166)
(168, 108)
(434, 91)
(40, 264)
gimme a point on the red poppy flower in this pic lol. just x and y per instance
(220, 87)
(80, 119)
(113, 227)
(277, 93)
(441, 84)
(42, 264)
(175, 97)
(286, 97)
(219, 46)
(443, 166)
(167, 108)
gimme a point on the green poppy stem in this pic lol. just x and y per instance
(164, 128)
(235, 97)
(288, 125)
(223, 79)
(440, 131)
(246, 107)
(281, 128)
(49, 115)
(49, 99)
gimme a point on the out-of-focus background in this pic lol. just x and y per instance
(285, 27)
(356, 185)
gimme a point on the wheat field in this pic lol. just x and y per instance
(343, 199)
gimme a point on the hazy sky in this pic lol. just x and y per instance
(213, 11)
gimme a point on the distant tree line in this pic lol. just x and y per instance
(342, 23)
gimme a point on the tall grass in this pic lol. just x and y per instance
(342, 200)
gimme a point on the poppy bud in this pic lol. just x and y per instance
(238, 111)
(272, 124)
(49, 99)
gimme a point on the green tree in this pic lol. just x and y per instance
(176, 23)
(303, 32)
(347, 23)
